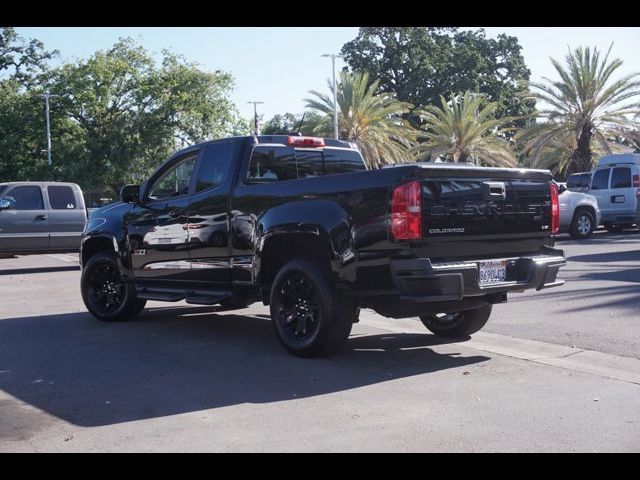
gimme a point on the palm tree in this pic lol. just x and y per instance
(373, 122)
(584, 110)
(464, 129)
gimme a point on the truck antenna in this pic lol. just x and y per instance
(300, 124)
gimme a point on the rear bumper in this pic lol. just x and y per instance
(420, 280)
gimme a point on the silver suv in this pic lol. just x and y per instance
(579, 212)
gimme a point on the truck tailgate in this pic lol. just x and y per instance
(475, 212)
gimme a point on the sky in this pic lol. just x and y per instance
(279, 65)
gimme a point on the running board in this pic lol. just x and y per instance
(198, 297)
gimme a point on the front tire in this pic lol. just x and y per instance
(459, 324)
(105, 293)
(308, 316)
(582, 225)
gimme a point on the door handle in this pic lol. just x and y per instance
(494, 191)
(41, 217)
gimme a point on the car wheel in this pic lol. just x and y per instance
(308, 316)
(459, 324)
(105, 293)
(582, 225)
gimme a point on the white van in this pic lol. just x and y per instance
(616, 185)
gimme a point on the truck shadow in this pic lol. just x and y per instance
(174, 361)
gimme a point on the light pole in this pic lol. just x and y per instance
(335, 91)
(256, 130)
(46, 97)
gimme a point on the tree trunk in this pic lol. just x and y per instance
(581, 157)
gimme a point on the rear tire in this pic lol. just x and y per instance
(308, 316)
(459, 324)
(582, 225)
(105, 293)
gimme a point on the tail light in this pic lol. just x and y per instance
(406, 212)
(555, 208)
(636, 181)
(305, 141)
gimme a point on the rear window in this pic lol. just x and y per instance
(309, 163)
(342, 161)
(621, 177)
(61, 197)
(600, 180)
(578, 181)
(274, 163)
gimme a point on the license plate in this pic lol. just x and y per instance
(492, 272)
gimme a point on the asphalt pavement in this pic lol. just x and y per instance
(555, 370)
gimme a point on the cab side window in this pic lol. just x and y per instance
(25, 197)
(621, 177)
(214, 166)
(600, 180)
(61, 197)
(175, 181)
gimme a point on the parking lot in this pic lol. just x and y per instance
(556, 370)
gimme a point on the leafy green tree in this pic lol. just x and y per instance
(584, 112)
(464, 129)
(288, 123)
(420, 64)
(21, 60)
(373, 122)
(132, 114)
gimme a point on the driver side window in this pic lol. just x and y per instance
(175, 181)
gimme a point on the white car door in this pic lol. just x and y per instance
(623, 194)
(600, 190)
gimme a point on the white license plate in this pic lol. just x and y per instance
(492, 272)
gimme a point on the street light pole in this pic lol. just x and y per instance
(335, 91)
(256, 128)
(46, 97)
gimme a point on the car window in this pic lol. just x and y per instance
(578, 181)
(174, 182)
(309, 163)
(272, 164)
(342, 161)
(600, 180)
(25, 197)
(61, 197)
(621, 177)
(214, 166)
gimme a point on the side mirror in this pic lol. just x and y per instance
(130, 194)
(4, 204)
(562, 188)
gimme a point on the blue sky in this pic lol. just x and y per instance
(279, 65)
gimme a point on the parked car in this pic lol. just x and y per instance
(616, 185)
(579, 213)
(314, 235)
(41, 217)
(579, 182)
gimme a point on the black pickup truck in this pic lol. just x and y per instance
(300, 224)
